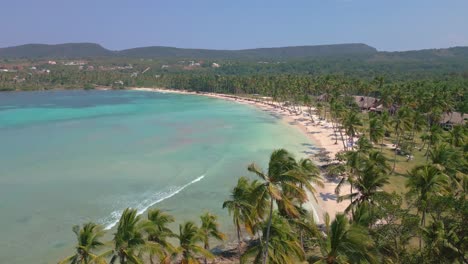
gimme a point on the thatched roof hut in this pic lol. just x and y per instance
(366, 102)
(454, 118)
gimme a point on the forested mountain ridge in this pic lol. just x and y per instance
(87, 50)
(260, 53)
(80, 50)
(68, 50)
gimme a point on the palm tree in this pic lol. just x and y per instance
(363, 145)
(418, 123)
(351, 122)
(354, 162)
(88, 237)
(278, 178)
(423, 182)
(435, 135)
(458, 136)
(258, 198)
(378, 161)
(336, 111)
(363, 215)
(447, 158)
(209, 229)
(307, 170)
(385, 121)
(376, 130)
(158, 233)
(439, 244)
(400, 123)
(240, 207)
(370, 180)
(189, 237)
(129, 238)
(345, 243)
(283, 246)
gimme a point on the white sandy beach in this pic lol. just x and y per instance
(320, 133)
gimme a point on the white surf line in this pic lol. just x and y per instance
(141, 211)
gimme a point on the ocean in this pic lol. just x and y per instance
(69, 157)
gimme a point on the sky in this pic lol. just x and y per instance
(387, 25)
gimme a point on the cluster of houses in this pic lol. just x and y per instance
(75, 63)
(372, 104)
(114, 68)
(447, 120)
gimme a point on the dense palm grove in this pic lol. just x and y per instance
(423, 220)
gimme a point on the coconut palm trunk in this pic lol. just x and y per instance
(343, 139)
(265, 250)
(206, 247)
(423, 224)
(395, 154)
(238, 241)
(382, 144)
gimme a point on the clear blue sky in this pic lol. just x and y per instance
(236, 24)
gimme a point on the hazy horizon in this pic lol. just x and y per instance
(202, 48)
(386, 25)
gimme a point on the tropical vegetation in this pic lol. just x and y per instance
(404, 168)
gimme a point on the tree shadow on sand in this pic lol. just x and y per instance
(328, 196)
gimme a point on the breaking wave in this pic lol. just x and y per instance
(110, 221)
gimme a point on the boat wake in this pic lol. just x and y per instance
(114, 217)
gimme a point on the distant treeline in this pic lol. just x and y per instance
(277, 85)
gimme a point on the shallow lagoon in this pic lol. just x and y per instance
(68, 157)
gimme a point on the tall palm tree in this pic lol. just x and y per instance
(354, 163)
(158, 234)
(363, 215)
(434, 137)
(378, 161)
(210, 229)
(258, 198)
(336, 111)
(447, 158)
(309, 172)
(439, 243)
(370, 180)
(376, 130)
(277, 178)
(400, 123)
(386, 123)
(351, 122)
(283, 246)
(189, 238)
(345, 243)
(240, 207)
(89, 241)
(458, 135)
(363, 145)
(423, 182)
(128, 239)
(418, 123)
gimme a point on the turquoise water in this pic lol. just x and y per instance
(68, 157)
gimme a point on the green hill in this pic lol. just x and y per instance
(68, 50)
(338, 58)
(260, 53)
(80, 50)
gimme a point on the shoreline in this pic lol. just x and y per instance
(320, 133)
